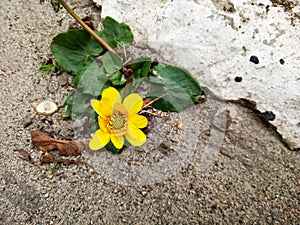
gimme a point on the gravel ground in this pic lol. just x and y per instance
(238, 174)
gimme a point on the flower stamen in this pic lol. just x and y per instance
(117, 122)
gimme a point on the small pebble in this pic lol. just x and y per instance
(254, 59)
(269, 115)
(238, 79)
(63, 79)
(52, 87)
(281, 61)
(27, 122)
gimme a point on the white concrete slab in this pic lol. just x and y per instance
(215, 40)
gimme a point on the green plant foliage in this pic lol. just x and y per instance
(45, 68)
(76, 105)
(117, 79)
(80, 105)
(141, 67)
(93, 120)
(96, 69)
(91, 79)
(75, 49)
(111, 62)
(66, 110)
(178, 87)
(116, 34)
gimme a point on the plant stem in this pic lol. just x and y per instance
(127, 86)
(86, 27)
(154, 100)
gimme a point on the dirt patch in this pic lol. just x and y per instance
(226, 6)
(288, 6)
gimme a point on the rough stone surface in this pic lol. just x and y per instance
(215, 40)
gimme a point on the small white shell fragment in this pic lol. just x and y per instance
(45, 107)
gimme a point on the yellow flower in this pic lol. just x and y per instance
(118, 120)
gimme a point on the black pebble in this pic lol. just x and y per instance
(269, 115)
(254, 59)
(238, 79)
(281, 61)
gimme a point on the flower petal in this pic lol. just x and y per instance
(138, 120)
(112, 94)
(119, 108)
(135, 136)
(103, 124)
(104, 107)
(96, 105)
(101, 108)
(118, 141)
(133, 103)
(99, 140)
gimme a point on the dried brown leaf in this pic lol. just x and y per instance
(48, 158)
(68, 148)
(45, 143)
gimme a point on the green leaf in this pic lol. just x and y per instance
(112, 62)
(116, 34)
(93, 118)
(117, 79)
(141, 67)
(54, 169)
(173, 100)
(67, 107)
(177, 86)
(91, 79)
(77, 105)
(156, 80)
(81, 103)
(75, 49)
(46, 68)
(181, 77)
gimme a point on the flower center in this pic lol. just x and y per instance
(117, 121)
